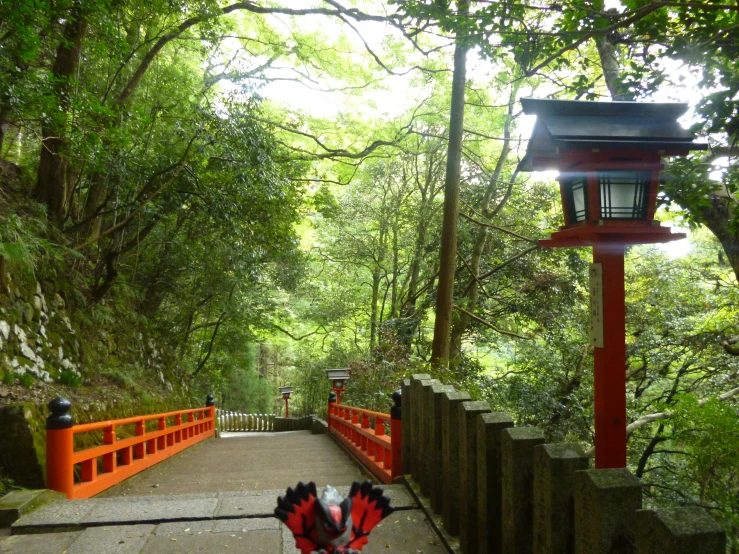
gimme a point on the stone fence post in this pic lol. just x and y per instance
(406, 425)
(606, 502)
(426, 470)
(436, 446)
(490, 428)
(554, 501)
(416, 413)
(518, 487)
(686, 530)
(450, 458)
(504, 491)
(468, 485)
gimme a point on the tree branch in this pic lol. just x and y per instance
(644, 420)
(202, 363)
(490, 325)
(508, 261)
(497, 228)
(148, 58)
(300, 337)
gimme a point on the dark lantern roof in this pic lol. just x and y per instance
(572, 124)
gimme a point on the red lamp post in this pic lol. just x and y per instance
(338, 378)
(609, 158)
(286, 392)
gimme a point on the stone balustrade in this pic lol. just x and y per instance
(232, 421)
(502, 489)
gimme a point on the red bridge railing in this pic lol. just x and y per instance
(363, 433)
(84, 473)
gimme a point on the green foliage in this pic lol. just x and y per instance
(21, 242)
(70, 378)
(185, 204)
(26, 380)
(8, 378)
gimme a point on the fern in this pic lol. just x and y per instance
(20, 244)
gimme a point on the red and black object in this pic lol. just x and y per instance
(331, 524)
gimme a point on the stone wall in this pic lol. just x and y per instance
(45, 340)
(502, 489)
(36, 334)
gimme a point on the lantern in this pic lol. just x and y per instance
(338, 379)
(609, 155)
(286, 392)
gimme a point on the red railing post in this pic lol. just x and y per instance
(178, 432)
(210, 403)
(60, 447)
(138, 449)
(331, 406)
(161, 441)
(396, 435)
(109, 460)
(365, 425)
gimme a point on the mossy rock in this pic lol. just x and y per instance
(22, 446)
(14, 314)
(28, 313)
(54, 339)
(49, 287)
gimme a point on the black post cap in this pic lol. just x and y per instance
(397, 401)
(60, 417)
(332, 396)
(210, 400)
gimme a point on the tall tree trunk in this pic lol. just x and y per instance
(415, 271)
(51, 184)
(481, 236)
(396, 270)
(611, 69)
(93, 203)
(464, 320)
(448, 256)
(3, 125)
(717, 215)
(373, 307)
(3, 274)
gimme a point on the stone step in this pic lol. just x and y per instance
(68, 515)
(403, 532)
(17, 503)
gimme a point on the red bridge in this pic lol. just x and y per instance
(462, 479)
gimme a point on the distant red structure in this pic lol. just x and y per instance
(338, 378)
(286, 392)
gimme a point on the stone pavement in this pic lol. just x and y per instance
(247, 462)
(162, 510)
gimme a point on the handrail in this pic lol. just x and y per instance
(102, 466)
(362, 432)
(87, 427)
(370, 413)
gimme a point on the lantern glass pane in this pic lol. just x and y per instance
(577, 198)
(623, 194)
